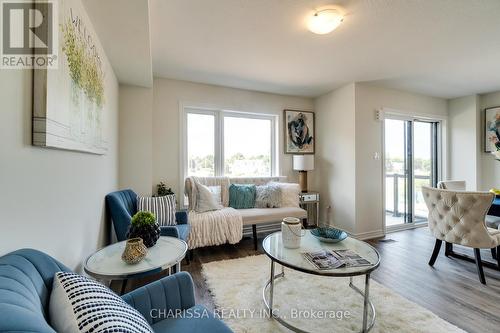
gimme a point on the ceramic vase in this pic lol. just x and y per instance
(135, 251)
(291, 232)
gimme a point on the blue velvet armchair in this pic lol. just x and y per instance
(26, 284)
(122, 205)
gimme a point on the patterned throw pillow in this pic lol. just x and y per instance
(79, 304)
(242, 196)
(290, 194)
(162, 207)
(268, 196)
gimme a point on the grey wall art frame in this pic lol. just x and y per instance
(299, 132)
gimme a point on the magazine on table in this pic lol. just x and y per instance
(330, 259)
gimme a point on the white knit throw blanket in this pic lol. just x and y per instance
(215, 227)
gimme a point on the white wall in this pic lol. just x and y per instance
(369, 180)
(166, 132)
(464, 154)
(490, 168)
(136, 139)
(335, 156)
(52, 200)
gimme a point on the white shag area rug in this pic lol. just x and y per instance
(237, 284)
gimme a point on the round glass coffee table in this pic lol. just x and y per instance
(107, 264)
(294, 259)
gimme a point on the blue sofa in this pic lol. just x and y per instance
(25, 286)
(122, 205)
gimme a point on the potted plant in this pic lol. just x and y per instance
(163, 190)
(144, 226)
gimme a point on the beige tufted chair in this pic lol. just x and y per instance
(452, 185)
(459, 185)
(458, 217)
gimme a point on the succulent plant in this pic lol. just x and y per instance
(144, 225)
(142, 218)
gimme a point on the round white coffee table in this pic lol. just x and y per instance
(107, 264)
(293, 259)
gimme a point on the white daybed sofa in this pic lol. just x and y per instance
(262, 217)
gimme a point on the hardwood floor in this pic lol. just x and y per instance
(451, 289)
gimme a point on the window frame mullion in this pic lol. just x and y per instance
(219, 143)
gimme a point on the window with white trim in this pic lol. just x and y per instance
(228, 143)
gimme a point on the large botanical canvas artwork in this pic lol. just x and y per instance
(492, 130)
(70, 102)
(299, 132)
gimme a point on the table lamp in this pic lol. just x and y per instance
(303, 163)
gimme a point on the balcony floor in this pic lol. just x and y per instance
(391, 220)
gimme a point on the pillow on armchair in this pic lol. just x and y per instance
(79, 304)
(163, 208)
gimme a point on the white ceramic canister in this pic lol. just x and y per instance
(291, 232)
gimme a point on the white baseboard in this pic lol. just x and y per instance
(369, 234)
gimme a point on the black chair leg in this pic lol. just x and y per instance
(479, 264)
(435, 253)
(498, 257)
(448, 249)
(124, 287)
(494, 253)
(254, 231)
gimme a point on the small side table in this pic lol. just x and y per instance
(107, 264)
(310, 202)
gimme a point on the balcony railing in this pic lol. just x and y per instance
(420, 208)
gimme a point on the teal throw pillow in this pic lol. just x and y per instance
(242, 196)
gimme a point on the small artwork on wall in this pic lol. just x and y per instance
(299, 132)
(492, 129)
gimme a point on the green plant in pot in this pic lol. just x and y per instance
(144, 226)
(163, 190)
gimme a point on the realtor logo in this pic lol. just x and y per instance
(29, 34)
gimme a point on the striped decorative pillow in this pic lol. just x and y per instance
(162, 207)
(79, 304)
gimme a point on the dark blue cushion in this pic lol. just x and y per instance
(194, 320)
(181, 217)
(495, 207)
(25, 285)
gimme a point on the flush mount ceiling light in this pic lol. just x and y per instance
(325, 20)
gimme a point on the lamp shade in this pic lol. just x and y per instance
(303, 162)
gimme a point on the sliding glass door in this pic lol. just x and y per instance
(411, 161)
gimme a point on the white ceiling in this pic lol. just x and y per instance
(444, 48)
(123, 29)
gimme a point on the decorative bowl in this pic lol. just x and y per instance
(329, 235)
